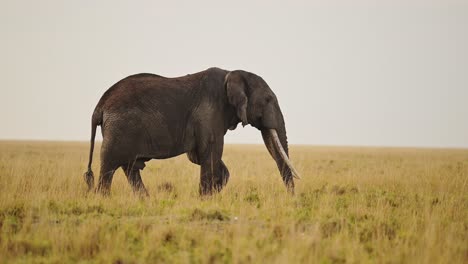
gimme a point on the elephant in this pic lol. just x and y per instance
(147, 116)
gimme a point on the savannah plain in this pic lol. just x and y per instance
(353, 205)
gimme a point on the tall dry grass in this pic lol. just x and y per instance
(354, 205)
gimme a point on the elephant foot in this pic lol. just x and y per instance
(103, 191)
(212, 188)
(142, 193)
(210, 184)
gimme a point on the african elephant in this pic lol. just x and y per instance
(147, 116)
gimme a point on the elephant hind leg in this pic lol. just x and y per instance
(134, 177)
(105, 178)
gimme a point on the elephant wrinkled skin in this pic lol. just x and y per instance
(147, 116)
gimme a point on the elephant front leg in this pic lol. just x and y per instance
(134, 178)
(208, 153)
(214, 175)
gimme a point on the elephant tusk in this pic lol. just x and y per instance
(283, 154)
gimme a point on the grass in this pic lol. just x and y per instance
(354, 205)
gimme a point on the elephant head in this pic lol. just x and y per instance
(257, 105)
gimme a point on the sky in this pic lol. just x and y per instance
(362, 73)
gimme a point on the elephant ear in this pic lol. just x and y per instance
(235, 89)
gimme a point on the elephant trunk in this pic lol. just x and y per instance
(277, 145)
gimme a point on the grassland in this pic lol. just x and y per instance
(354, 205)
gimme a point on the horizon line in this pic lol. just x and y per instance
(297, 145)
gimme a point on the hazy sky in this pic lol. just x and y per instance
(345, 72)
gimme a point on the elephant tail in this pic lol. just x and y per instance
(96, 120)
